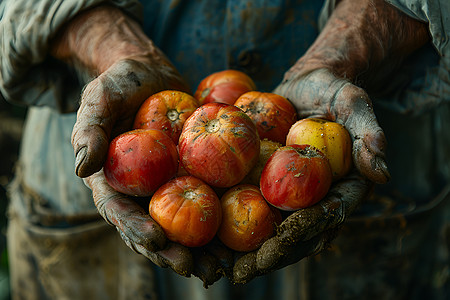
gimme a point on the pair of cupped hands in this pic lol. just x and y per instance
(126, 67)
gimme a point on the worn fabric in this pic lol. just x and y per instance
(28, 75)
(385, 257)
(377, 254)
(427, 73)
(47, 162)
(86, 260)
(435, 13)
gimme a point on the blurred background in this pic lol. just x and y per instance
(11, 123)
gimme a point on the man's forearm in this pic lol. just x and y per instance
(99, 37)
(361, 38)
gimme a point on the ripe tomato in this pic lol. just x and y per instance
(331, 138)
(248, 220)
(166, 111)
(295, 176)
(188, 210)
(219, 144)
(273, 114)
(140, 161)
(224, 86)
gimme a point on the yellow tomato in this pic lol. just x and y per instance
(331, 138)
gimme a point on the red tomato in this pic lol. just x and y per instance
(224, 86)
(140, 161)
(166, 111)
(188, 210)
(295, 176)
(219, 144)
(273, 114)
(248, 220)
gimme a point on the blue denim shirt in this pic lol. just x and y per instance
(261, 38)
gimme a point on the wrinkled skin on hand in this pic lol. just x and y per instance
(362, 43)
(126, 67)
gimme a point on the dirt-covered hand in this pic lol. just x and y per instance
(360, 46)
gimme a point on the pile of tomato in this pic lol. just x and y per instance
(226, 161)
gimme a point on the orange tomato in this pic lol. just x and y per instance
(224, 87)
(166, 111)
(188, 210)
(248, 220)
(273, 114)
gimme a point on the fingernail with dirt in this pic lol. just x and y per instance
(80, 156)
(381, 166)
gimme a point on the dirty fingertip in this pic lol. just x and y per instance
(245, 268)
(381, 170)
(179, 259)
(369, 164)
(269, 254)
(207, 269)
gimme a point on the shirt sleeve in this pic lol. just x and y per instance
(435, 12)
(28, 75)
